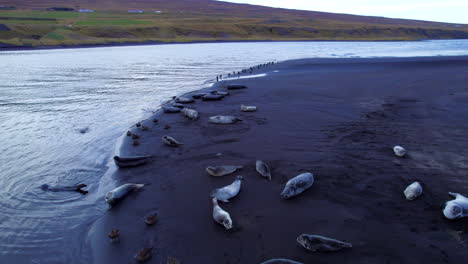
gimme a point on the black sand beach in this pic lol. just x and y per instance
(336, 118)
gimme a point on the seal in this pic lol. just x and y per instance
(130, 161)
(263, 169)
(171, 142)
(399, 151)
(413, 191)
(297, 185)
(114, 236)
(151, 218)
(144, 254)
(183, 100)
(236, 87)
(228, 192)
(320, 243)
(281, 261)
(222, 170)
(190, 113)
(220, 93)
(220, 216)
(114, 196)
(198, 95)
(74, 188)
(223, 119)
(171, 109)
(246, 108)
(457, 208)
(178, 105)
(212, 97)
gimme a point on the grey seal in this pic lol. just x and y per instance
(199, 95)
(320, 243)
(281, 261)
(171, 109)
(263, 169)
(236, 87)
(190, 113)
(220, 216)
(212, 97)
(222, 170)
(220, 93)
(413, 191)
(120, 192)
(223, 119)
(297, 185)
(457, 208)
(228, 192)
(178, 105)
(399, 151)
(171, 141)
(130, 161)
(74, 188)
(183, 100)
(246, 108)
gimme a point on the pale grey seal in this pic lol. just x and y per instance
(413, 191)
(263, 169)
(228, 192)
(222, 170)
(297, 185)
(220, 216)
(171, 141)
(74, 188)
(120, 192)
(399, 151)
(320, 243)
(130, 161)
(457, 208)
(281, 261)
(190, 113)
(223, 119)
(184, 100)
(246, 108)
(220, 93)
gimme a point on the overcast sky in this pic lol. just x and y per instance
(455, 11)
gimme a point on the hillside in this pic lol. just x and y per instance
(196, 20)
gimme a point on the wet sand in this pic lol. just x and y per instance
(336, 118)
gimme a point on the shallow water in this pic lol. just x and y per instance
(48, 97)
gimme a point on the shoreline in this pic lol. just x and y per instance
(344, 139)
(7, 47)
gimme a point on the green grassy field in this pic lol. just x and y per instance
(42, 28)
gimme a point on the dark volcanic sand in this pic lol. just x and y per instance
(337, 118)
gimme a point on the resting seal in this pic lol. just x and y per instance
(212, 97)
(228, 192)
(223, 119)
(171, 109)
(75, 188)
(190, 113)
(198, 95)
(263, 169)
(320, 243)
(222, 170)
(220, 216)
(171, 141)
(119, 193)
(297, 185)
(246, 108)
(280, 261)
(184, 100)
(413, 191)
(457, 208)
(399, 151)
(130, 161)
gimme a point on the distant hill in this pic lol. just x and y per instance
(197, 20)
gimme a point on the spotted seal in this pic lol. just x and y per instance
(190, 113)
(74, 188)
(222, 170)
(183, 100)
(223, 119)
(114, 196)
(228, 192)
(457, 208)
(246, 108)
(220, 216)
(130, 161)
(170, 141)
(263, 169)
(413, 191)
(297, 185)
(320, 243)
(399, 151)
(171, 109)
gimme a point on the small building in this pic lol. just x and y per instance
(85, 10)
(135, 11)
